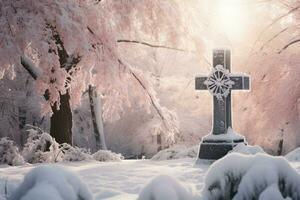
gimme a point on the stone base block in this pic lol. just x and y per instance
(216, 150)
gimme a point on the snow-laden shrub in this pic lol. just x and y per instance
(40, 147)
(238, 176)
(51, 183)
(247, 149)
(106, 155)
(69, 153)
(176, 152)
(293, 155)
(9, 153)
(164, 188)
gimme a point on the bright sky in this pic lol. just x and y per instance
(231, 17)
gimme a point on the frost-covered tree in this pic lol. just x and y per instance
(66, 46)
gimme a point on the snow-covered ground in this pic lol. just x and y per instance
(120, 180)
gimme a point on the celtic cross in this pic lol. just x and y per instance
(220, 83)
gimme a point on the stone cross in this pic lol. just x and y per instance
(220, 83)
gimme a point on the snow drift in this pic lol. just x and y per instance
(247, 149)
(106, 155)
(238, 176)
(177, 152)
(293, 155)
(163, 188)
(49, 183)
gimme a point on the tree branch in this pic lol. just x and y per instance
(154, 104)
(271, 24)
(273, 38)
(288, 45)
(152, 45)
(29, 66)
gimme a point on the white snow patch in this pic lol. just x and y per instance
(293, 155)
(177, 152)
(163, 188)
(106, 155)
(238, 176)
(230, 136)
(36, 148)
(9, 153)
(71, 153)
(247, 149)
(49, 183)
(272, 192)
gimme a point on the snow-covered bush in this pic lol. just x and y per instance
(293, 155)
(9, 153)
(176, 152)
(163, 188)
(70, 153)
(40, 147)
(106, 155)
(51, 183)
(238, 176)
(247, 149)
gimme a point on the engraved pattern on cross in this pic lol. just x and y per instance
(222, 118)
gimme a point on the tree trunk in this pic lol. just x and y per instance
(280, 147)
(96, 112)
(61, 120)
(159, 143)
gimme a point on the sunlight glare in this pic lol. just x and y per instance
(231, 18)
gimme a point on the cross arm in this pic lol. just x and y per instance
(241, 82)
(199, 83)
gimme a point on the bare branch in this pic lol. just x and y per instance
(273, 38)
(288, 45)
(30, 67)
(153, 102)
(271, 24)
(152, 45)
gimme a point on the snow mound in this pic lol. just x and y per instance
(106, 155)
(272, 192)
(49, 183)
(9, 153)
(293, 155)
(176, 152)
(40, 147)
(74, 153)
(238, 176)
(247, 149)
(163, 188)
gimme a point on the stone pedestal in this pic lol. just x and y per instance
(213, 147)
(220, 83)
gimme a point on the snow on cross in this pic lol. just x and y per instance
(220, 83)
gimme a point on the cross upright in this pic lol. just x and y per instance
(220, 83)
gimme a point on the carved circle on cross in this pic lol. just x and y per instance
(218, 82)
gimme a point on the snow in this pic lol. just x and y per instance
(164, 187)
(75, 153)
(118, 180)
(272, 192)
(51, 182)
(293, 155)
(106, 155)
(9, 153)
(239, 176)
(230, 136)
(36, 148)
(133, 179)
(177, 152)
(247, 149)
